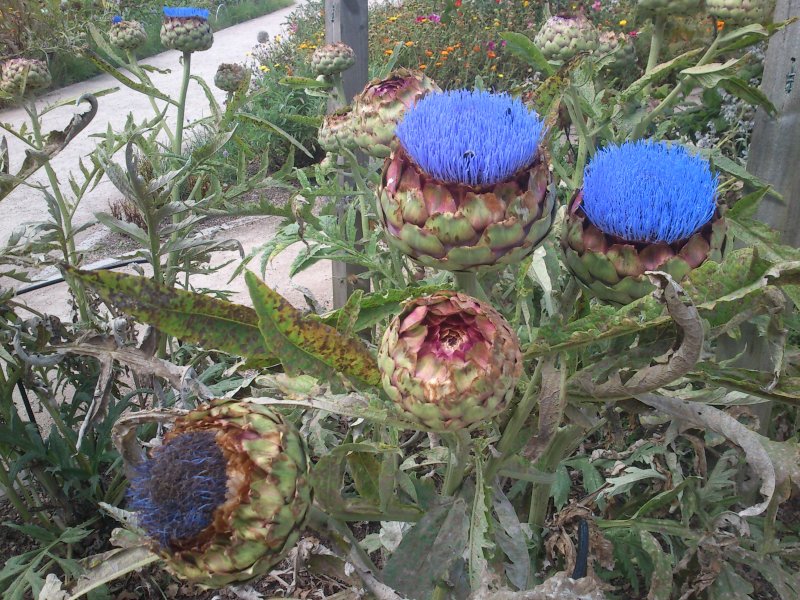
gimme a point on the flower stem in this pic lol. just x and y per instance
(467, 282)
(659, 24)
(459, 444)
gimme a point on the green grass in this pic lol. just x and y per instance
(67, 68)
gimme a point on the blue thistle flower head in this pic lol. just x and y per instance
(116, 19)
(176, 492)
(186, 12)
(647, 191)
(474, 138)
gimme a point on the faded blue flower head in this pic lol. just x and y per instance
(116, 19)
(647, 191)
(176, 492)
(185, 12)
(470, 137)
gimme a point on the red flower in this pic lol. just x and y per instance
(457, 3)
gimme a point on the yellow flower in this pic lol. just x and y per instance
(392, 19)
(278, 38)
(525, 4)
(500, 75)
(388, 52)
(409, 44)
(264, 69)
(623, 22)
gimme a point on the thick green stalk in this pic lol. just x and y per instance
(467, 282)
(177, 149)
(68, 244)
(16, 501)
(659, 24)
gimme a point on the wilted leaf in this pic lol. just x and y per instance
(661, 579)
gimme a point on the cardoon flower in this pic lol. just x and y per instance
(186, 29)
(562, 37)
(224, 498)
(467, 186)
(127, 35)
(644, 206)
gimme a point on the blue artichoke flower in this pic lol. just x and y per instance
(474, 138)
(185, 12)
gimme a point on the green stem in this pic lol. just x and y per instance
(467, 282)
(133, 64)
(673, 96)
(659, 24)
(8, 489)
(459, 444)
(68, 243)
(177, 149)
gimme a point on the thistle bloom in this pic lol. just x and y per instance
(644, 206)
(226, 495)
(467, 186)
(116, 19)
(186, 29)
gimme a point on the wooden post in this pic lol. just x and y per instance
(347, 21)
(775, 146)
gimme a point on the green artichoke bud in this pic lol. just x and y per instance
(644, 207)
(226, 495)
(337, 131)
(562, 37)
(381, 105)
(670, 7)
(467, 188)
(740, 12)
(229, 77)
(611, 42)
(24, 75)
(186, 29)
(331, 59)
(449, 362)
(127, 35)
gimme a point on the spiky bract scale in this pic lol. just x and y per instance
(229, 76)
(647, 191)
(449, 362)
(23, 76)
(331, 59)
(267, 498)
(474, 138)
(562, 37)
(186, 29)
(127, 35)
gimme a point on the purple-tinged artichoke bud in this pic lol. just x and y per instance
(20, 76)
(740, 12)
(337, 131)
(381, 105)
(467, 188)
(331, 59)
(449, 362)
(127, 35)
(645, 206)
(229, 77)
(623, 50)
(227, 494)
(186, 29)
(562, 37)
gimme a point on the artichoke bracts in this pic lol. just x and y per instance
(467, 188)
(127, 35)
(381, 105)
(336, 131)
(331, 59)
(739, 12)
(449, 362)
(670, 7)
(186, 29)
(611, 42)
(644, 207)
(23, 75)
(226, 495)
(562, 37)
(229, 77)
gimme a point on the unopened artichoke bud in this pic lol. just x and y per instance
(381, 105)
(127, 35)
(229, 77)
(449, 362)
(670, 7)
(740, 12)
(467, 187)
(562, 37)
(337, 131)
(331, 59)
(226, 495)
(611, 42)
(645, 206)
(19, 76)
(186, 29)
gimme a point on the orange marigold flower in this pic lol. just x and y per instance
(444, 53)
(720, 24)
(409, 44)
(476, 48)
(428, 53)
(491, 54)
(388, 52)
(437, 64)
(422, 67)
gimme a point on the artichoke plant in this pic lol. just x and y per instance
(645, 206)
(624, 52)
(127, 35)
(24, 75)
(449, 362)
(337, 132)
(739, 12)
(229, 77)
(381, 105)
(186, 29)
(467, 187)
(226, 495)
(332, 59)
(562, 37)
(670, 7)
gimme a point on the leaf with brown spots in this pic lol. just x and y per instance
(308, 346)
